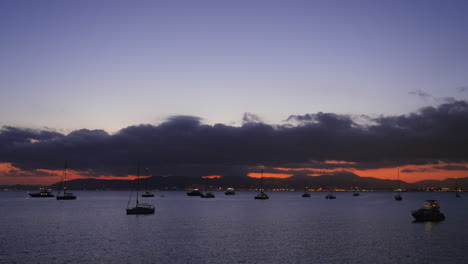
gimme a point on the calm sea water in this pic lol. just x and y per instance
(371, 228)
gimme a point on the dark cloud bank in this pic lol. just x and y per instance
(184, 146)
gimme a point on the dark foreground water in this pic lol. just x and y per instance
(371, 228)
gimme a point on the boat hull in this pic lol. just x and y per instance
(41, 195)
(330, 197)
(141, 209)
(306, 195)
(208, 195)
(425, 215)
(261, 196)
(68, 197)
(134, 211)
(194, 193)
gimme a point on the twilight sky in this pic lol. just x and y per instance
(109, 66)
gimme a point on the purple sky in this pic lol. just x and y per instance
(106, 65)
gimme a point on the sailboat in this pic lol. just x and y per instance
(398, 196)
(330, 196)
(147, 193)
(139, 208)
(63, 186)
(261, 195)
(457, 193)
(306, 193)
(207, 194)
(356, 189)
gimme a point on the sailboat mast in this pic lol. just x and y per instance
(146, 180)
(399, 180)
(261, 180)
(138, 182)
(65, 179)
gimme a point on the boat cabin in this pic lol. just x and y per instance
(431, 204)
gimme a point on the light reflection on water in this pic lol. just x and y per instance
(371, 228)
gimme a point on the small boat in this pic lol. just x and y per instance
(398, 197)
(230, 191)
(457, 190)
(330, 196)
(147, 193)
(306, 194)
(195, 192)
(356, 190)
(207, 195)
(429, 212)
(261, 195)
(139, 208)
(44, 193)
(66, 195)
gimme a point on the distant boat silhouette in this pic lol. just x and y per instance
(306, 194)
(207, 194)
(457, 193)
(194, 192)
(43, 193)
(139, 208)
(147, 193)
(230, 191)
(330, 196)
(261, 195)
(429, 212)
(63, 186)
(356, 189)
(398, 196)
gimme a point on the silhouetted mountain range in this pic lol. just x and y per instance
(343, 180)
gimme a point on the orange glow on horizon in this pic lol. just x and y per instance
(419, 172)
(212, 177)
(10, 175)
(269, 175)
(426, 172)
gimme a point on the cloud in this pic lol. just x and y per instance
(447, 100)
(184, 146)
(251, 118)
(451, 167)
(421, 94)
(463, 89)
(418, 170)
